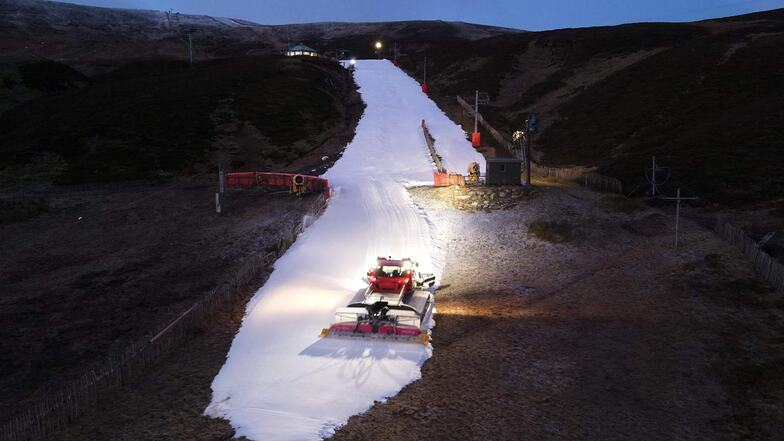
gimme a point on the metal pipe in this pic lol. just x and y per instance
(476, 112)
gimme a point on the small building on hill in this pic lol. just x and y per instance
(301, 50)
(503, 171)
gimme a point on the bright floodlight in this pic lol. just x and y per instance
(378, 45)
(353, 61)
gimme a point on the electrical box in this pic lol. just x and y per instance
(503, 171)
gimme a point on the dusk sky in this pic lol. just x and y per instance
(522, 14)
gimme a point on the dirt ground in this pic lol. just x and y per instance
(570, 316)
(603, 331)
(98, 270)
(86, 271)
(166, 403)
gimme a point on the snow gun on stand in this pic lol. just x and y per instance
(394, 306)
(473, 173)
(297, 184)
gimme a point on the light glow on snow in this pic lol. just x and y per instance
(280, 380)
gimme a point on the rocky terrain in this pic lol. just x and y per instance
(476, 198)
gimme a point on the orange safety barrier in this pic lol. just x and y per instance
(250, 179)
(456, 179)
(440, 179)
(448, 179)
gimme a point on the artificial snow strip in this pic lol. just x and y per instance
(280, 381)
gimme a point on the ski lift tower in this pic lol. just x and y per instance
(190, 31)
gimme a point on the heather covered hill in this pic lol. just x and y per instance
(98, 94)
(75, 292)
(101, 38)
(162, 117)
(704, 97)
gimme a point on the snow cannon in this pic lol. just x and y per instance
(473, 173)
(395, 306)
(298, 185)
(476, 139)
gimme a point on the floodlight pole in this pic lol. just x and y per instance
(221, 189)
(529, 148)
(677, 214)
(653, 188)
(190, 49)
(528, 134)
(221, 178)
(520, 146)
(524, 156)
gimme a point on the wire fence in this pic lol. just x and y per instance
(558, 173)
(766, 266)
(581, 175)
(44, 417)
(600, 182)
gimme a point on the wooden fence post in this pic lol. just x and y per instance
(768, 269)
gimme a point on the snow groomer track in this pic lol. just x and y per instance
(280, 380)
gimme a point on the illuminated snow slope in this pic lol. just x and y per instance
(280, 381)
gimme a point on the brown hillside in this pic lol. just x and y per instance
(705, 98)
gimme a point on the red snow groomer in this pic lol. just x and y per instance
(395, 305)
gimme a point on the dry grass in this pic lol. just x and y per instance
(17, 211)
(551, 231)
(158, 117)
(621, 204)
